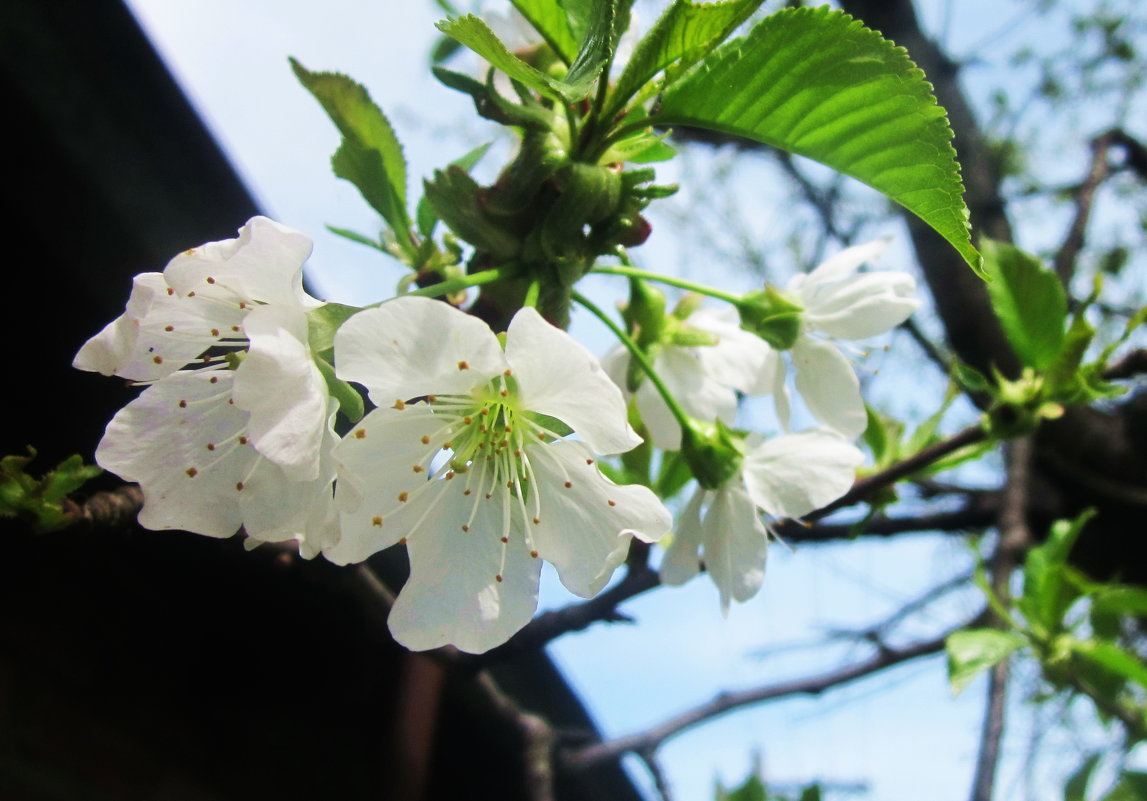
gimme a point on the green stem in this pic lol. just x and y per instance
(463, 282)
(532, 294)
(633, 272)
(638, 356)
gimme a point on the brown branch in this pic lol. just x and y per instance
(890, 475)
(1097, 173)
(1015, 537)
(537, 733)
(112, 509)
(726, 702)
(1131, 364)
(980, 512)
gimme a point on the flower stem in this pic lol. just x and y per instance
(532, 294)
(681, 283)
(638, 356)
(462, 282)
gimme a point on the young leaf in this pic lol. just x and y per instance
(40, 501)
(370, 156)
(596, 48)
(818, 83)
(1047, 595)
(476, 35)
(1029, 301)
(425, 215)
(685, 32)
(549, 19)
(973, 651)
(350, 402)
(1114, 659)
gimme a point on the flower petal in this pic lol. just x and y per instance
(279, 384)
(381, 496)
(791, 475)
(863, 305)
(157, 334)
(585, 519)
(829, 386)
(682, 560)
(699, 396)
(740, 359)
(836, 267)
(414, 346)
(735, 544)
(264, 264)
(559, 377)
(466, 588)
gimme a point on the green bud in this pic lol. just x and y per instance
(772, 315)
(686, 336)
(645, 314)
(688, 304)
(713, 451)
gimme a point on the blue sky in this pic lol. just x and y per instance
(902, 733)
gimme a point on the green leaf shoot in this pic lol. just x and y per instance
(973, 651)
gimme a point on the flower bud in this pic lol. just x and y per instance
(773, 315)
(713, 451)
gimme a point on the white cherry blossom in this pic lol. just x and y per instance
(465, 462)
(840, 304)
(236, 303)
(785, 477)
(234, 429)
(705, 379)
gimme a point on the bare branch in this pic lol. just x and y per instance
(1129, 365)
(660, 783)
(1015, 537)
(539, 739)
(727, 702)
(1097, 173)
(108, 509)
(980, 512)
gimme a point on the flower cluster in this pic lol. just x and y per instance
(480, 455)
(787, 476)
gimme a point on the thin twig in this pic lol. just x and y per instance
(660, 783)
(890, 475)
(1015, 537)
(980, 512)
(112, 509)
(726, 702)
(1129, 365)
(1098, 172)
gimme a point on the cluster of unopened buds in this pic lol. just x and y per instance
(480, 454)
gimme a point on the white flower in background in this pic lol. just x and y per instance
(464, 461)
(221, 335)
(840, 304)
(705, 379)
(786, 477)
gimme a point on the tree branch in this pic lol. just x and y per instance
(1097, 173)
(727, 702)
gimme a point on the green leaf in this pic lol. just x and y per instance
(425, 215)
(752, 790)
(370, 156)
(597, 47)
(1121, 600)
(355, 236)
(685, 32)
(40, 501)
(973, 651)
(1047, 594)
(323, 322)
(476, 35)
(1029, 301)
(453, 194)
(350, 402)
(1112, 658)
(549, 19)
(1076, 787)
(817, 83)
(1132, 787)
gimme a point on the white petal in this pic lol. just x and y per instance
(157, 334)
(791, 475)
(414, 346)
(781, 395)
(863, 306)
(180, 441)
(699, 395)
(375, 463)
(264, 264)
(829, 386)
(735, 544)
(584, 528)
(279, 384)
(682, 560)
(559, 377)
(836, 267)
(453, 594)
(740, 359)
